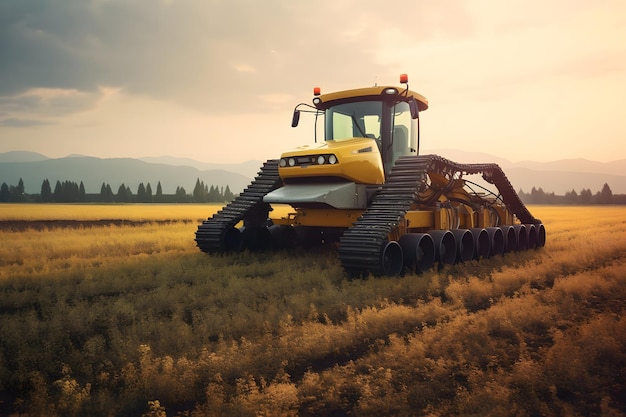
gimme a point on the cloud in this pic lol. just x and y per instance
(207, 54)
(244, 68)
(511, 46)
(209, 62)
(13, 122)
(213, 54)
(49, 101)
(45, 106)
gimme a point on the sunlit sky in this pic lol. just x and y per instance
(217, 80)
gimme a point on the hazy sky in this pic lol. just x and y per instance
(217, 80)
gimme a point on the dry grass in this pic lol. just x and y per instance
(40, 253)
(107, 211)
(135, 320)
(136, 212)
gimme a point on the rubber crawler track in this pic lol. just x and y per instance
(247, 206)
(360, 246)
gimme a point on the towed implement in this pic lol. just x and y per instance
(366, 190)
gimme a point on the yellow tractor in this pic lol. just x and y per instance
(366, 190)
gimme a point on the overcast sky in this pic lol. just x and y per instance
(217, 80)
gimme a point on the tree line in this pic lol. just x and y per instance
(585, 197)
(72, 192)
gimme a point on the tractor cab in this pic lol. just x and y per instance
(388, 122)
(366, 130)
(388, 115)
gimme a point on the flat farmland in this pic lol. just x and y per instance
(112, 310)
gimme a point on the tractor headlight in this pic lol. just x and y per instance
(308, 160)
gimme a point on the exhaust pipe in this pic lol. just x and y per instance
(445, 246)
(418, 250)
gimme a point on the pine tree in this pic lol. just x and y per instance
(19, 191)
(214, 195)
(181, 195)
(105, 193)
(198, 192)
(58, 192)
(159, 193)
(81, 192)
(46, 191)
(585, 196)
(73, 191)
(537, 196)
(606, 195)
(122, 194)
(141, 193)
(148, 193)
(228, 195)
(571, 197)
(5, 193)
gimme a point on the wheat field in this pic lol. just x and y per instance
(132, 319)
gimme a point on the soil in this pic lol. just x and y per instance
(20, 225)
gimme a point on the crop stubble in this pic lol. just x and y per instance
(288, 331)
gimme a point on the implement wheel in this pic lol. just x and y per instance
(391, 259)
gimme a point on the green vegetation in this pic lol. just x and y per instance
(604, 196)
(71, 192)
(136, 321)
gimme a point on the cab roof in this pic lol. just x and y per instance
(325, 100)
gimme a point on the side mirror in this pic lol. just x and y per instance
(296, 118)
(414, 109)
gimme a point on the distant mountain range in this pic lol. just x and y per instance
(557, 176)
(33, 168)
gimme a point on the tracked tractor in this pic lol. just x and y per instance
(367, 191)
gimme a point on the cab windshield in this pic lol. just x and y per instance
(353, 120)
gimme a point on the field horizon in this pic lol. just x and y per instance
(131, 319)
